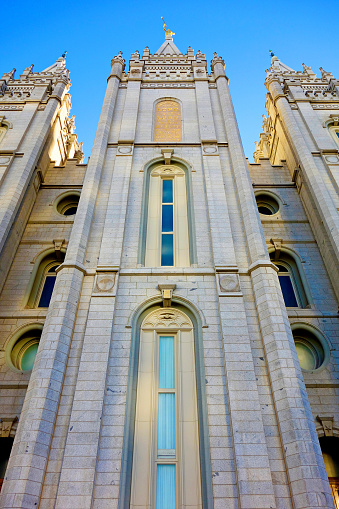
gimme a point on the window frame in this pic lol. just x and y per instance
(292, 263)
(160, 170)
(43, 264)
(151, 329)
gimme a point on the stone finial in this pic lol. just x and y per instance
(27, 72)
(9, 75)
(325, 75)
(146, 53)
(307, 70)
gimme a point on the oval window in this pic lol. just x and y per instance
(67, 205)
(267, 205)
(310, 351)
(25, 349)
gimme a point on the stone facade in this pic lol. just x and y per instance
(260, 415)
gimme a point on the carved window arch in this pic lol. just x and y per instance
(167, 240)
(166, 459)
(167, 121)
(44, 280)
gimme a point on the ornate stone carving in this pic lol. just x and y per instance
(170, 318)
(229, 283)
(167, 171)
(4, 160)
(104, 282)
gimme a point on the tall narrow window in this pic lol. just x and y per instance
(44, 281)
(166, 459)
(290, 280)
(167, 242)
(167, 121)
(287, 287)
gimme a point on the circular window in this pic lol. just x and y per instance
(67, 205)
(267, 204)
(310, 350)
(24, 351)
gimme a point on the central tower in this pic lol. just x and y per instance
(166, 374)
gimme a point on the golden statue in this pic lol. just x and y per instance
(167, 30)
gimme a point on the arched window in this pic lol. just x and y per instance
(167, 241)
(166, 457)
(290, 281)
(330, 449)
(167, 121)
(44, 281)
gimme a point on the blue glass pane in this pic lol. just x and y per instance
(166, 362)
(167, 191)
(288, 292)
(337, 133)
(28, 358)
(167, 250)
(47, 292)
(167, 218)
(166, 421)
(166, 491)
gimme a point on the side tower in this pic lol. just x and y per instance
(302, 128)
(166, 373)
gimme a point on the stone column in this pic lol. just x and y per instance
(309, 486)
(27, 465)
(80, 458)
(254, 484)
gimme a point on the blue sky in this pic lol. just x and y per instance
(241, 32)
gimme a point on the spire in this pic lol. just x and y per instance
(168, 47)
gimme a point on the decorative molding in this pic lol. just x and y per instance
(125, 149)
(325, 106)
(167, 170)
(229, 283)
(170, 318)
(168, 85)
(210, 148)
(11, 107)
(105, 282)
(332, 159)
